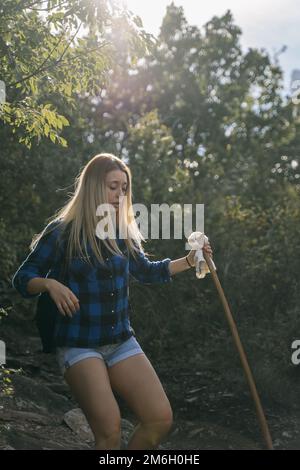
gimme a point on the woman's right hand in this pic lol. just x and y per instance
(66, 302)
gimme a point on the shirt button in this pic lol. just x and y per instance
(112, 311)
(112, 293)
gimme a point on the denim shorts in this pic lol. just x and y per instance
(110, 353)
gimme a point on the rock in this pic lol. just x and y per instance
(14, 415)
(60, 388)
(26, 435)
(28, 440)
(209, 436)
(76, 421)
(35, 394)
(33, 363)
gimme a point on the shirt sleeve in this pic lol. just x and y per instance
(37, 263)
(149, 272)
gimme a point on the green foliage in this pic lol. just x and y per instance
(6, 389)
(199, 121)
(58, 49)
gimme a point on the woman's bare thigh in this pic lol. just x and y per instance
(90, 385)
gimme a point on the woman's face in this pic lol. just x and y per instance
(116, 187)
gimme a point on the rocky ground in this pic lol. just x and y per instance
(38, 412)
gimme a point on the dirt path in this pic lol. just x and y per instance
(208, 412)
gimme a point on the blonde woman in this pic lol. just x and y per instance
(95, 344)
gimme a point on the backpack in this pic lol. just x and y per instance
(46, 314)
(45, 320)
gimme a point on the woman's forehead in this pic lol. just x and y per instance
(116, 176)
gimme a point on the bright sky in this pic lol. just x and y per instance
(268, 24)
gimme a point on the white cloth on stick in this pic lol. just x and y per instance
(196, 241)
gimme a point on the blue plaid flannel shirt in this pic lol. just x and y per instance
(103, 316)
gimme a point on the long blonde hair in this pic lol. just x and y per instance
(79, 213)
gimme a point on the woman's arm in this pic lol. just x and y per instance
(178, 265)
(151, 272)
(36, 265)
(38, 285)
(66, 302)
(188, 261)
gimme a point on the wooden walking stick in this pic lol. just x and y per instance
(203, 263)
(259, 409)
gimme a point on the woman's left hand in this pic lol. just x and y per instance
(206, 248)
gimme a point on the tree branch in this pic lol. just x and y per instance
(41, 66)
(60, 62)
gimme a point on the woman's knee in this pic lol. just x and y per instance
(161, 421)
(153, 432)
(164, 425)
(166, 415)
(107, 436)
(110, 429)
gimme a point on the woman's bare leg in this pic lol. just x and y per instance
(136, 381)
(90, 385)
